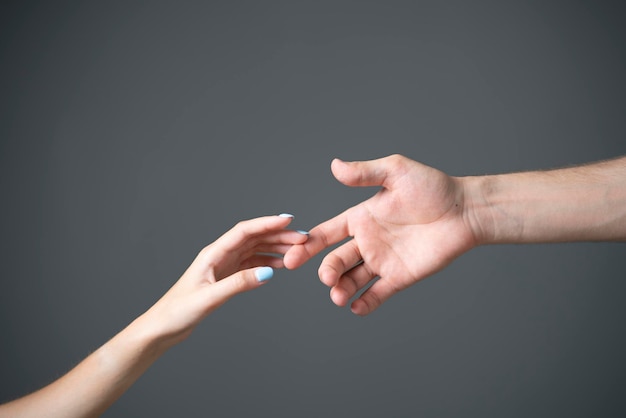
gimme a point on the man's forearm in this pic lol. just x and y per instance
(584, 203)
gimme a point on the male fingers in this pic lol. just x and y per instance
(373, 297)
(323, 235)
(350, 283)
(339, 261)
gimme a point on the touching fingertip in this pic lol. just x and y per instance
(263, 273)
(299, 231)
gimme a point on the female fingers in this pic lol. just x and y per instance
(246, 230)
(238, 282)
(258, 260)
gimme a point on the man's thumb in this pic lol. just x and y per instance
(364, 173)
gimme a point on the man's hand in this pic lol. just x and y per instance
(413, 227)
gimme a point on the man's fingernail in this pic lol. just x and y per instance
(286, 215)
(264, 273)
(299, 231)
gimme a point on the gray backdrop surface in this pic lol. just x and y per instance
(134, 133)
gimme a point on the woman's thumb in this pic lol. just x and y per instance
(239, 282)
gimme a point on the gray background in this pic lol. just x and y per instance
(134, 133)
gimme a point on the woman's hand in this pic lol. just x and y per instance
(242, 259)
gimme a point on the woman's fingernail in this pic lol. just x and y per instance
(299, 231)
(286, 215)
(264, 273)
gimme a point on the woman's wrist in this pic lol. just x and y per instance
(152, 335)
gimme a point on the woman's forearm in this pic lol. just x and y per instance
(584, 203)
(235, 263)
(93, 385)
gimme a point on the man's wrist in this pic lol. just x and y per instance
(584, 203)
(485, 213)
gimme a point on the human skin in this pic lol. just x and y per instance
(238, 261)
(422, 219)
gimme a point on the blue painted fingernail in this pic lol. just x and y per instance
(286, 215)
(264, 273)
(299, 231)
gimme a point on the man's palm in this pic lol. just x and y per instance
(410, 229)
